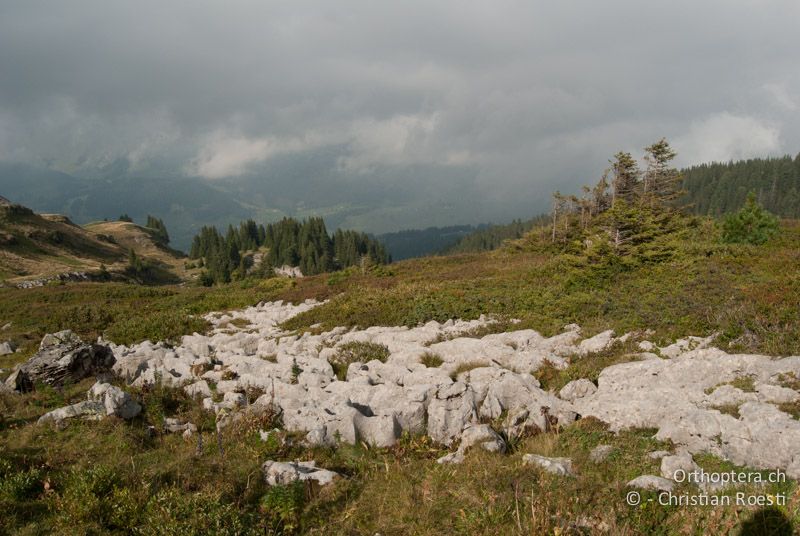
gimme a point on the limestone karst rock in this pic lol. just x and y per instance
(678, 391)
(62, 357)
(681, 396)
(557, 466)
(652, 482)
(103, 399)
(7, 348)
(282, 473)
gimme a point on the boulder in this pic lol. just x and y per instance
(577, 389)
(60, 338)
(453, 457)
(449, 411)
(681, 462)
(7, 348)
(688, 344)
(89, 409)
(652, 482)
(115, 400)
(234, 400)
(557, 466)
(483, 436)
(198, 389)
(541, 416)
(103, 400)
(598, 343)
(177, 426)
(283, 473)
(480, 435)
(377, 431)
(646, 346)
(62, 356)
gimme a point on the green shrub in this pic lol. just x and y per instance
(357, 352)
(160, 401)
(282, 506)
(85, 498)
(751, 225)
(173, 511)
(205, 279)
(296, 371)
(159, 326)
(431, 360)
(18, 485)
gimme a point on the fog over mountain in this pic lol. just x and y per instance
(378, 116)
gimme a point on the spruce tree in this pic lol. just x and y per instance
(751, 225)
(661, 183)
(158, 226)
(626, 177)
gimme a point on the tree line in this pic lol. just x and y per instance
(720, 188)
(305, 244)
(492, 236)
(411, 243)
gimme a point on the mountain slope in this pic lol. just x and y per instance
(42, 246)
(142, 240)
(34, 246)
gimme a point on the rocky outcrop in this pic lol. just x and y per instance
(681, 398)
(283, 473)
(577, 389)
(62, 356)
(379, 400)
(64, 277)
(678, 389)
(452, 407)
(289, 271)
(475, 435)
(7, 348)
(103, 400)
(652, 483)
(557, 466)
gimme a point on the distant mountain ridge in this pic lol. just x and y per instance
(299, 189)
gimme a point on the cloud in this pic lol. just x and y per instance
(224, 154)
(724, 136)
(398, 140)
(780, 93)
(517, 97)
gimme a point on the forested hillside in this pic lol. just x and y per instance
(711, 189)
(719, 188)
(412, 243)
(492, 236)
(306, 244)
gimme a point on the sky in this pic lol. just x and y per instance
(514, 98)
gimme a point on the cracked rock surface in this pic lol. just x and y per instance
(687, 390)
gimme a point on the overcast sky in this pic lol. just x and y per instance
(511, 94)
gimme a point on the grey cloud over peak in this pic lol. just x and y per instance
(519, 97)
